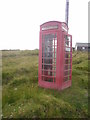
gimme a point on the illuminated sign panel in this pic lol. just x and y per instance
(50, 27)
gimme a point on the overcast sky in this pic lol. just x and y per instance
(20, 21)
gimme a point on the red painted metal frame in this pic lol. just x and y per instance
(59, 82)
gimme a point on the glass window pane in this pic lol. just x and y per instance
(49, 48)
(67, 57)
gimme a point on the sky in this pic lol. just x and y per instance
(20, 21)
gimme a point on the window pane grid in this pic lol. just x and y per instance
(49, 46)
(67, 58)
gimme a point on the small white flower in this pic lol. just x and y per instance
(15, 88)
(10, 115)
(21, 104)
(19, 107)
(1, 115)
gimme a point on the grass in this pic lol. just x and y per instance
(23, 98)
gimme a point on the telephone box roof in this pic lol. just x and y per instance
(54, 25)
(58, 22)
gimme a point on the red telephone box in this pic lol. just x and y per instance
(55, 56)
